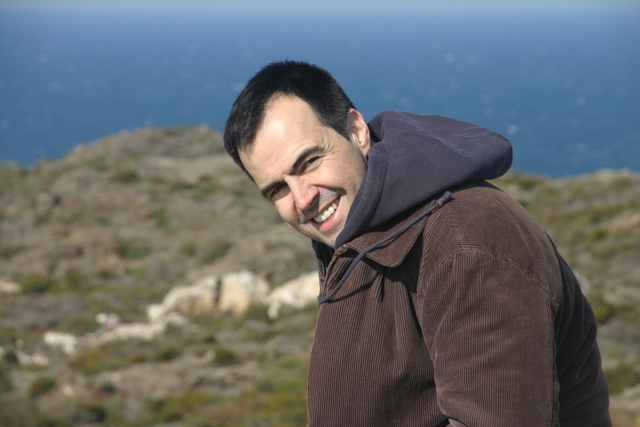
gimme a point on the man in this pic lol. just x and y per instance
(442, 301)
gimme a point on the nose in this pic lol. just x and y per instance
(304, 195)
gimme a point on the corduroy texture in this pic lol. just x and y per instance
(470, 315)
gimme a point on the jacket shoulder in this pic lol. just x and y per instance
(482, 217)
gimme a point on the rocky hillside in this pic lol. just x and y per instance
(114, 226)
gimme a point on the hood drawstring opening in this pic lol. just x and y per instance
(439, 203)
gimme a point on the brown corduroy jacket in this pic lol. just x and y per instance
(468, 318)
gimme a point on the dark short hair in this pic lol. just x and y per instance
(308, 82)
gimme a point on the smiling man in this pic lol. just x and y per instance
(306, 169)
(443, 302)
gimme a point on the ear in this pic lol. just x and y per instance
(358, 131)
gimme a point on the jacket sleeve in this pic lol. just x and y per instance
(489, 330)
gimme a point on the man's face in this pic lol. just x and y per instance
(307, 170)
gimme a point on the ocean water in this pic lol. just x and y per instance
(564, 87)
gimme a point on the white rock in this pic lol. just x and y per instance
(179, 321)
(239, 290)
(68, 343)
(108, 320)
(298, 293)
(132, 331)
(198, 298)
(32, 359)
(68, 390)
(8, 287)
(155, 312)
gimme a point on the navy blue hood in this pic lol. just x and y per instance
(415, 158)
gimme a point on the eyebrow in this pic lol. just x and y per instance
(302, 157)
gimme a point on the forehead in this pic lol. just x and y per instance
(289, 127)
(287, 114)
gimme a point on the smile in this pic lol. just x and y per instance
(326, 214)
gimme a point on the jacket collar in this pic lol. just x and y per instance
(393, 252)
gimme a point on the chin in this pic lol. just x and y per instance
(331, 242)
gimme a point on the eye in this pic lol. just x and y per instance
(276, 192)
(312, 161)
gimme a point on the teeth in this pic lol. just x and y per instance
(326, 214)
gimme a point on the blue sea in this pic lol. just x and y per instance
(563, 86)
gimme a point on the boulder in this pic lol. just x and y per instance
(35, 359)
(131, 331)
(9, 287)
(108, 320)
(297, 293)
(198, 298)
(239, 290)
(68, 343)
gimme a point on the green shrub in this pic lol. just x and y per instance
(209, 339)
(90, 413)
(201, 344)
(623, 375)
(167, 352)
(620, 183)
(527, 182)
(126, 175)
(213, 250)
(160, 218)
(207, 186)
(603, 310)
(8, 336)
(278, 400)
(47, 421)
(80, 324)
(10, 358)
(33, 282)
(97, 360)
(224, 355)
(188, 248)
(597, 235)
(105, 274)
(40, 386)
(178, 408)
(9, 251)
(6, 383)
(72, 281)
(272, 405)
(98, 163)
(16, 410)
(117, 355)
(176, 186)
(131, 249)
(257, 312)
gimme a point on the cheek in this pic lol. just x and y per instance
(286, 210)
(353, 179)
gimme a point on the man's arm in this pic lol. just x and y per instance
(489, 330)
